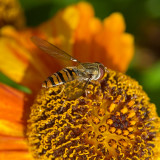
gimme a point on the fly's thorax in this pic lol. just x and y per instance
(94, 71)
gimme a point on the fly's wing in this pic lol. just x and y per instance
(76, 88)
(52, 50)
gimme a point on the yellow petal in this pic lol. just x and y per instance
(14, 59)
(22, 61)
(10, 128)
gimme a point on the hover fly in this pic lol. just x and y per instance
(82, 72)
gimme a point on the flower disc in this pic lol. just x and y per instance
(112, 119)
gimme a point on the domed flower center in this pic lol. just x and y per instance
(112, 119)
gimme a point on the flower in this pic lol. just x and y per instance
(77, 31)
(112, 120)
(11, 14)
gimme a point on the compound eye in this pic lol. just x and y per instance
(101, 71)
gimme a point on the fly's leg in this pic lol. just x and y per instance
(86, 84)
(62, 89)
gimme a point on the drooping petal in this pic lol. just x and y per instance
(11, 128)
(11, 104)
(13, 145)
(12, 112)
(16, 155)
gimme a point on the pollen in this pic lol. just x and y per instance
(111, 119)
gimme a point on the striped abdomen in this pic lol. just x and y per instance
(61, 77)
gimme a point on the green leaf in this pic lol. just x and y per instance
(151, 77)
(4, 79)
(153, 7)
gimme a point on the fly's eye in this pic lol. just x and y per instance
(101, 71)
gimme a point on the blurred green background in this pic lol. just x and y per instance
(142, 20)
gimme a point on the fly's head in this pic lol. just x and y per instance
(94, 71)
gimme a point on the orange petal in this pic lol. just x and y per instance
(106, 43)
(12, 104)
(16, 155)
(114, 24)
(118, 45)
(13, 143)
(88, 26)
(65, 23)
(25, 64)
(11, 128)
(29, 65)
(12, 111)
(14, 60)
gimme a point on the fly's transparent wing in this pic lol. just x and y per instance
(52, 50)
(75, 89)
